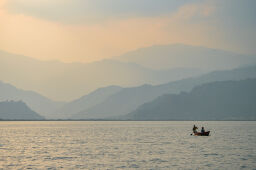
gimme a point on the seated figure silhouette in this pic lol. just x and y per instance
(202, 130)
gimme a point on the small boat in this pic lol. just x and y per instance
(202, 134)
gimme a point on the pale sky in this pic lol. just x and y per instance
(90, 30)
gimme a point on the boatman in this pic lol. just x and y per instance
(194, 129)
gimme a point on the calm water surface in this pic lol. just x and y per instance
(129, 145)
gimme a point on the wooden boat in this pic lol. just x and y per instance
(202, 134)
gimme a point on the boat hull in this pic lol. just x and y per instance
(202, 134)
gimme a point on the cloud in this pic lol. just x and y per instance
(50, 40)
(201, 10)
(212, 24)
(91, 11)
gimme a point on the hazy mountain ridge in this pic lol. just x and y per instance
(186, 56)
(224, 100)
(17, 110)
(119, 103)
(128, 99)
(87, 101)
(66, 81)
(115, 101)
(35, 101)
(69, 80)
(151, 65)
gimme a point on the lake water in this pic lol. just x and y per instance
(128, 145)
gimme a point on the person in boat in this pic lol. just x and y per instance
(202, 130)
(194, 129)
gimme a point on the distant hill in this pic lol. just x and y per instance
(35, 101)
(66, 81)
(226, 100)
(119, 103)
(185, 56)
(87, 101)
(11, 110)
(128, 99)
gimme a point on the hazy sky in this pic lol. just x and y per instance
(89, 30)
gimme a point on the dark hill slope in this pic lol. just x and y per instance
(11, 110)
(226, 100)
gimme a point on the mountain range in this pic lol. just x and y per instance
(224, 100)
(151, 65)
(127, 100)
(114, 101)
(126, 82)
(67, 81)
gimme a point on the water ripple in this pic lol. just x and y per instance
(126, 145)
